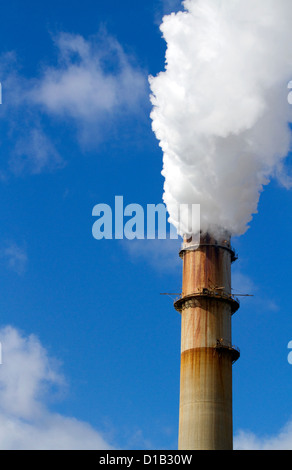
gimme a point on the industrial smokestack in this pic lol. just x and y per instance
(221, 115)
(207, 354)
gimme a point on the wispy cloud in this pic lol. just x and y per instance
(34, 153)
(94, 83)
(14, 257)
(161, 255)
(248, 441)
(25, 145)
(28, 376)
(243, 284)
(94, 87)
(93, 77)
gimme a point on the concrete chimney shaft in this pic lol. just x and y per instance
(207, 354)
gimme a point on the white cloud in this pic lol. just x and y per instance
(249, 441)
(95, 81)
(28, 377)
(95, 85)
(54, 432)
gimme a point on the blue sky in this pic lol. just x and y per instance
(91, 351)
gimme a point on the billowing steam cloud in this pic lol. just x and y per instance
(220, 108)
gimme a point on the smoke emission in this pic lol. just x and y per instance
(220, 107)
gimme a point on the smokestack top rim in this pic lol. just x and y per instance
(191, 248)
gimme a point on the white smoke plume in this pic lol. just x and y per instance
(220, 108)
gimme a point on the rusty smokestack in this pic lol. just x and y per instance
(207, 354)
